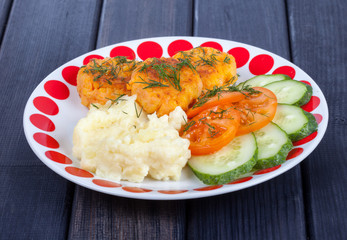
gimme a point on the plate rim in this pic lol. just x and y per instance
(190, 194)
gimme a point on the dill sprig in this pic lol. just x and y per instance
(202, 99)
(115, 101)
(188, 125)
(138, 114)
(152, 83)
(94, 106)
(109, 68)
(226, 59)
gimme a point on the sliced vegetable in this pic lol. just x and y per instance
(211, 130)
(257, 110)
(273, 146)
(236, 158)
(262, 80)
(291, 92)
(220, 98)
(296, 122)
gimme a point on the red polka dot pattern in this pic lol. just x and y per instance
(87, 59)
(177, 46)
(42, 122)
(46, 140)
(172, 191)
(208, 188)
(212, 44)
(261, 64)
(105, 183)
(46, 105)
(294, 153)
(287, 70)
(58, 157)
(267, 170)
(70, 74)
(57, 89)
(149, 49)
(241, 180)
(312, 104)
(241, 56)
(78, 172)
(308, 83)
(318, 117)
(306, 139)
(123, 51)
(136, 189)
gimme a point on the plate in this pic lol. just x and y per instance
(54, 108)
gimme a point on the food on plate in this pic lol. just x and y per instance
(229, 163)
(291, 92)
(257, 109)
(215, 68)
(211, 129)
(295, 121)
(163, 84)
(186, 109)
(273, 146)
(104, 79)
(262, 80)
(119, 141)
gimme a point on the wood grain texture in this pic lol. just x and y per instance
(97, 215)
(262, 24)
(133, 19)
(35, 203)
(319, 36)
(5, 9)
(274, 209)
(40, 36)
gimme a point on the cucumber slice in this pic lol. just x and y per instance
(226, 165)
(262, 80)
(273, 146)
(291, 92)
(296, 122)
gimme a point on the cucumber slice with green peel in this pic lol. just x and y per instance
(273, 146)
(262, 80)
(226, 165)
(291, 92)
(296, 122)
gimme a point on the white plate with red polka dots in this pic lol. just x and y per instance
(54, 109)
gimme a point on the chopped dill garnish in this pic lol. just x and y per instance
(205, 97)
(202, 99)
(109, 68)
(124, 112)
(188, 125)
(138, 114)
(95, 106)
(226, 59)
(152, 83)
(115, 101)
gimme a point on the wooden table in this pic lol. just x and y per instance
(307, 202)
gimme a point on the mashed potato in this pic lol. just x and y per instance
(117, 142)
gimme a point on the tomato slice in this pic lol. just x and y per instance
(219, 99)
(211, 129)
(257, 110)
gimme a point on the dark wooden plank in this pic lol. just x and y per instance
(5, 8)
(120, 218)
(133, 19)
(318, 36)
(40, 36)
(35, 203)
(274, 209)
